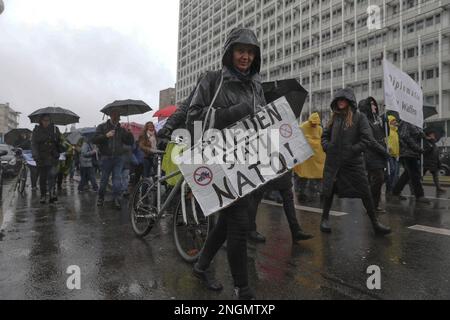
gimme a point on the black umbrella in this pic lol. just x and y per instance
(291, 89)
(58, 116)
(14, 137)
(127, 107)
(429, 111)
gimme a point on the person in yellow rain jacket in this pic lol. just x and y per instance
(310, 173)
(394, 151)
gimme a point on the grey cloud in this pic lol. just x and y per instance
(79, 69)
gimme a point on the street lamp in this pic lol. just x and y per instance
(2, 6)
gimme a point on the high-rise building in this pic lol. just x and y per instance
(9, 119)
(167, 98)
(325, 44)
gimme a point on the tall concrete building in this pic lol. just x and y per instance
(326, 44)
(9, 119)
(167, 98)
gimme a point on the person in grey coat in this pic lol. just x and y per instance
(88, 153)
(344, 140)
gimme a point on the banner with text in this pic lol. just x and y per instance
(234, 162)
(403, 95)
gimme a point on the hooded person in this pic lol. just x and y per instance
(344, 140)
(376, 154)
(394, 153)
(239, 93)
(312, 169)
(411, 150)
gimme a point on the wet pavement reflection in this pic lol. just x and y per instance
(38, 244)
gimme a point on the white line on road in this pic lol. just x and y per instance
(308, 209)
(444, 232)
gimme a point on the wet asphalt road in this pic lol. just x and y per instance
(38, 244)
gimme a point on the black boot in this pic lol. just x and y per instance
(43, 199)
(208, 278)
(256, 237)
(244, 293)
(379, 228)
(53, 197)
(300, 235)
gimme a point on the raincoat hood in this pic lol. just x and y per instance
(390, 119)
(243, 36)
(314, 119)
(346, 93)
(365, 106)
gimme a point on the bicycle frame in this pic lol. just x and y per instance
(181, 185)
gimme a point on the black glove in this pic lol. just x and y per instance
(164, 133)
(162, 143)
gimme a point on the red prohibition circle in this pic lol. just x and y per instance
(286, 131)
(203, 176)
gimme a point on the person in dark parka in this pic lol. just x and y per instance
(376, 155)
(240, 95)
(46, 147)
(432, 161)
(344, 140)
(410, 153)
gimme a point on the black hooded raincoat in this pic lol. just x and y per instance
(344, 147)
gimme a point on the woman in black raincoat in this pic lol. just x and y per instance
(239, 94)
(46, 145)
(376, 155)
(344, 141)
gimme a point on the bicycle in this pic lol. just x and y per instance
(190, 226)
(21, 180)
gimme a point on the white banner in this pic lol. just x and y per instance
(257, 150)
(403, 95)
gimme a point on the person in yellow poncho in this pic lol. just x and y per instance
(310, 173)
(394, 151)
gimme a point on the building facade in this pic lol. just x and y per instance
(167, 98)
(325, 44)
(9, 119)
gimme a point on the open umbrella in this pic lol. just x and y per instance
(429, 111)
(291, 89)
(58, 116)
(14, 137)
(166, 112)
(126, 107)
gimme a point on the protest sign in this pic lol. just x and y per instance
(403, 95)
(234, 162)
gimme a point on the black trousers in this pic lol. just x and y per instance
(366, 199)
(412, 173)
(376, 181)
(47, 178)
(231, 226)
(284, 186)
(435, 174)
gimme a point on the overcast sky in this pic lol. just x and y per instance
(83, 54)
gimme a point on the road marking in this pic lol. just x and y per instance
(308, 209)
(444, 232)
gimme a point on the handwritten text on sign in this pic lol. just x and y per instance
(236, 161)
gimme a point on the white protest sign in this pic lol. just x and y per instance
(256, 151)
(403, 95)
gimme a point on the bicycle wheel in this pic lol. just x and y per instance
(190, 236)
(22, 180)
(143, 207)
